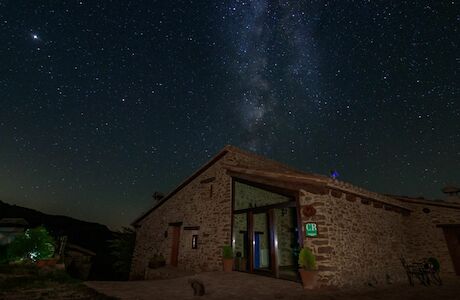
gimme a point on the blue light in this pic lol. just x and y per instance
(334, 174)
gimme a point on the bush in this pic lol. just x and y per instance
(32, 245)
(121, 249)
(227, 252)
(307, 260)
(435, 263)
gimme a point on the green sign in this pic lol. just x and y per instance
(311, 230)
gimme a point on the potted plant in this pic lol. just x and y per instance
(308, 273)
(227, 258)
(157, 261)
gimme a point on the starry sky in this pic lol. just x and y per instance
(104, 102)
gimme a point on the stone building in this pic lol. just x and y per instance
(266, 211)
(10, 228)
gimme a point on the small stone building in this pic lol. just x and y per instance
(78, 261)
(266, 211)
(10, 228)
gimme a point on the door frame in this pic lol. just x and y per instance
(273, 270)
(452, 236)
(269, 210)
(175, 242)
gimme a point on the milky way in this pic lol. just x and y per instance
(103, 103)
(273, 50)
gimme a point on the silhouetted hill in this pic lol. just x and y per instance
(92, 236)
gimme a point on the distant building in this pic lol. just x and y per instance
(266, 211)
(10, 228)
(78, 261)
(452, 193)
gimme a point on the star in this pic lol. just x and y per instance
(35, 36)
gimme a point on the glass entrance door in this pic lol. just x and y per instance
(287, 242)
(261, 242)
(264, 231)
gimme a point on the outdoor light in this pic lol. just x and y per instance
(194, 241)
(33, 255)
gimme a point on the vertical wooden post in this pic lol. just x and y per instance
(273, 246)
(251, 240)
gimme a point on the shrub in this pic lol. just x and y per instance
(435, 263)
(32, 245)
(122, 248)
(307, 260)
(227, 252)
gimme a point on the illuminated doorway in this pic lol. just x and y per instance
(265, 236)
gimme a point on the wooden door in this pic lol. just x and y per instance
(175, 245)
(452, 235)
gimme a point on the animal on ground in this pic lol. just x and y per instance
(197, 286)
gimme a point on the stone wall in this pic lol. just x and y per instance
(357, 243)
(360, 240)
(424, 239)
(207, 205)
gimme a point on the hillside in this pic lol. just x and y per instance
(92, 236)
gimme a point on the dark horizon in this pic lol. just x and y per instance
(103, 104)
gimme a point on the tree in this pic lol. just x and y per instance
(32, 245)
(122, 248)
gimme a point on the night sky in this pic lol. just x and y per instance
(105, 102)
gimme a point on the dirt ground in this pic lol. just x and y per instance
(27, 282)
(236, 285)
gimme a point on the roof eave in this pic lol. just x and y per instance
(203, 168)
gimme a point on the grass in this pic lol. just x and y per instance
(30, 282)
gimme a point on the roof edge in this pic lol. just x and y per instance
(311, 179)
(414, 200)
(203, 168)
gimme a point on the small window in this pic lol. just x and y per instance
(195, 241)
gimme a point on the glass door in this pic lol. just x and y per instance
(261, 242)
(287, 242)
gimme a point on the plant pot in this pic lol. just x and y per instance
(243, 264)
(228, 264)
(46, 262)
(309, 279)
(156, 264)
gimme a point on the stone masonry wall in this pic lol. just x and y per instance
(357, 243)
(359, 240)
(194, 205)
(427, 240)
